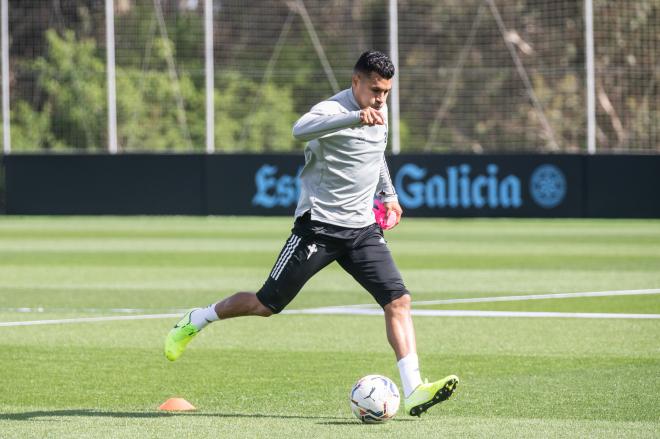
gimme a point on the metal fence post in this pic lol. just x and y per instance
(208, 49)
(6, 121)
(394, 95)
(590, 71)
(110, 68)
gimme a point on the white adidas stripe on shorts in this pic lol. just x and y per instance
(286, 254)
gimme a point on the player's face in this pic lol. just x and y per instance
(371, 90)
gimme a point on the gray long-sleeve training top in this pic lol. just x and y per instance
(344, 163)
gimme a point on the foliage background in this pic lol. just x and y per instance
(460, 88)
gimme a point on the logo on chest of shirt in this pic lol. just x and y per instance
(376, 135)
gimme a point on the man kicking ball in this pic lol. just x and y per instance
(344, 167)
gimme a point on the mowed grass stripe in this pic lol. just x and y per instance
(139, 423)
(416, 303)
(174, 288)
(354, 334)
(201, 258)
(649, 304)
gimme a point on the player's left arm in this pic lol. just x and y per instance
(388, 193)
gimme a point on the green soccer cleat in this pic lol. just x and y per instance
(427, 395)
(179, 337)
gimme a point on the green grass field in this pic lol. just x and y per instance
(289, 375)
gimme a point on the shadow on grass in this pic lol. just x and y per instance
(26, 416)
(354, 422)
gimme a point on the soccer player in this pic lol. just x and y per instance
(334, 221)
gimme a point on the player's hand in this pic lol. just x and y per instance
(393, 206)
(371, 116)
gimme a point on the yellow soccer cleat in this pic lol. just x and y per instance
(427, 395)
(179, 337)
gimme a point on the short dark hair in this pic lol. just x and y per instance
(374, 61)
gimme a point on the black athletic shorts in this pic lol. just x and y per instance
(313, 245)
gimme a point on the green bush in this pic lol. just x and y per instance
(250, 117)
(154, 112)
(72, 76)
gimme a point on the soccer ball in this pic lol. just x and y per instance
(374, 399)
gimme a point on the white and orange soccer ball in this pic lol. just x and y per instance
(374, 399)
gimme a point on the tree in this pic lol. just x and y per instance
(154, 112)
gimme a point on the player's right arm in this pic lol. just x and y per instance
(327, 117)
(324, 118)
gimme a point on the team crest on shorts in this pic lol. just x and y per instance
(312, 249)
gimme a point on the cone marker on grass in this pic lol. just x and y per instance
(176, 405)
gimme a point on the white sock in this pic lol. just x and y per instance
(203, 316)
(409, 371)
